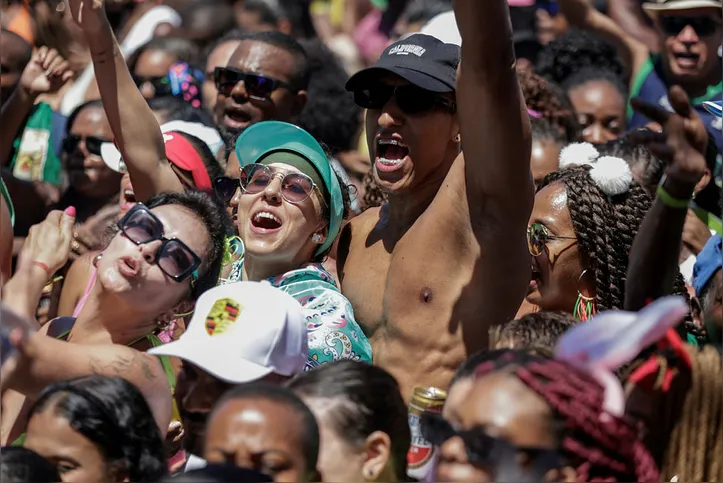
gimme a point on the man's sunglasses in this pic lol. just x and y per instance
(537, 237)
(703, 26)
(161, 84)
(92, 143)
(481, 448)
(257, 86)
(174, 258)
(410, 99)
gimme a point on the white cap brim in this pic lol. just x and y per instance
(111, 157)
(208, 357)
(654, 8)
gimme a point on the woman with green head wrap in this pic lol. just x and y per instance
(288, 210)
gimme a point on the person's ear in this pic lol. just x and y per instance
(700, 185)
(300, 102)
(378, 447)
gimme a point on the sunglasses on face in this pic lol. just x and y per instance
(481, 448)
(71, 143)
(174, 258)
(295, 187)
(225, 188)
(161, 85)
(703, 26)
(410, 99)
(537, 237)
(257, 86)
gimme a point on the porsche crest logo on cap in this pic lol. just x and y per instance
(222, 315)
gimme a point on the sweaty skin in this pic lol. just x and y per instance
(432, 270)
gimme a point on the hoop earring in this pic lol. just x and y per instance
(97, 259)
(457, 138)
(585, 306)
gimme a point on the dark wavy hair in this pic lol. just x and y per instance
(368, 400)
(605, 227)
(213, 215)
(19, 465)
(113, 415)
(551, 102)
(574, 51)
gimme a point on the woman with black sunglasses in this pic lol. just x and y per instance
(164, 254)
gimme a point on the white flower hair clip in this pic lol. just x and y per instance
(611, 174)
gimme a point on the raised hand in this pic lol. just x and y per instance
(89, 15)
(48, 243)
(46, 73)
(684, 139)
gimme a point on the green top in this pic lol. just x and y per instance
(34, 158)
(4, 193)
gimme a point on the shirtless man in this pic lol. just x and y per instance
(432, 270)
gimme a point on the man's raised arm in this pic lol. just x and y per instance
(136, 130)
(493, 117)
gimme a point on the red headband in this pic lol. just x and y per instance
(182, 153)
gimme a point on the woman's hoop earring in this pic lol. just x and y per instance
(457, 138)
(585, 307)
(97, 259)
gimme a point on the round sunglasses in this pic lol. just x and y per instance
(295, 187)
(174, 258)
(537, 237)
(410, 99)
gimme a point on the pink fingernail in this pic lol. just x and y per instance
(70, 211)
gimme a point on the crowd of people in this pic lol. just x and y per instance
(361, 240)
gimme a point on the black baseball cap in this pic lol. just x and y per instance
(420, 59)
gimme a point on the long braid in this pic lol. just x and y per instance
(602, 447)
(695, 443)
(605, 228)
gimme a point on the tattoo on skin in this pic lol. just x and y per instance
(123, 365)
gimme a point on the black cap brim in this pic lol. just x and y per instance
(370, 75)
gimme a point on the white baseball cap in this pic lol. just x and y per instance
(210, 137)
(243, 331)
(443, 27)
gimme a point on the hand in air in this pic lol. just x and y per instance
(48, 242)
(46, 73)
(684, 139)
(88, 14)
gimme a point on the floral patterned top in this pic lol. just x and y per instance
(333, 332)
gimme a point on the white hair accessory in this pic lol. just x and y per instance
(610, 173)
(578, 154)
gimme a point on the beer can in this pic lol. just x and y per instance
(422, 456)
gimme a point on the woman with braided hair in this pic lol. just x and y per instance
(582, 226)
(529, 418)
(678, 394)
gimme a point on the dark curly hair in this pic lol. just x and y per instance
(605, 227)
(114, 416)
(576, 50)
(648, 168)
(373, 194)
(592, 74)
(330, 115)
(550, 102)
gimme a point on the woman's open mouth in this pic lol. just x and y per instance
(128, 199)
(390, 155)
(265, 222)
